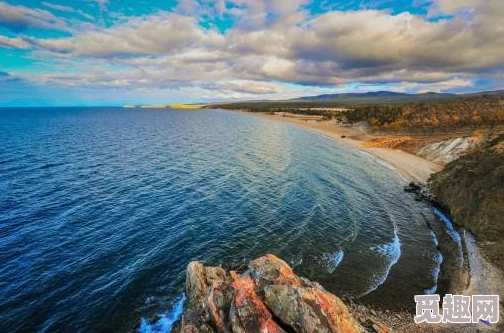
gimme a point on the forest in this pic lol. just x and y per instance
(429, 116)
(426, 116)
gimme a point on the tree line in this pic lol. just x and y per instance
(425, 117)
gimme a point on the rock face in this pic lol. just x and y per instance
(268, 297)
(472, 189)
(447, 151)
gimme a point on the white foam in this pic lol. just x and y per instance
(430, 291)
(332, 260)
(295, 262)
(455, 236)
(325, 136)
(383, 163)
(378, 160)
(166, 320)
(434, 238)
(437, 269)
(391, 252)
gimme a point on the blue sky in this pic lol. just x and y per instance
(113, 52)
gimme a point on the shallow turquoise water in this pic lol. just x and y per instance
(101, 209)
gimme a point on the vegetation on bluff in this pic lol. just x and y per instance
(472, 189)
(430, 116)
(395, 112)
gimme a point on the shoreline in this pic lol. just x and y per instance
(411, 168)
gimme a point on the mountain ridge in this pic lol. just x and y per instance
(373, 98)
(373, 94)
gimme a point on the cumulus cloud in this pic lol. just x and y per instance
(379, 40)
(278, 41)
(155, 35)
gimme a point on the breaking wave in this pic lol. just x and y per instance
(166, 321)
(332, 260)
(455, 236)
(390, 254)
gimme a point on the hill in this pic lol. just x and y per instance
(392, 111)
(352, 100)
(385, 95)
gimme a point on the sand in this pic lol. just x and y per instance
(410, 167)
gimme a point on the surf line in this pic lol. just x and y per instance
(166, 321)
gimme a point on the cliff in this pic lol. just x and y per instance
(266, 297)
(472, 191)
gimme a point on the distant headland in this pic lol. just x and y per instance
(166, 106)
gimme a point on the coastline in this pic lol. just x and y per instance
(477, 275)
(411, 168)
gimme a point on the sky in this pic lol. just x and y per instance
(114, 52)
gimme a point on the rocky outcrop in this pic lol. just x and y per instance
(472, 191)
(444, 152)
(267, 297)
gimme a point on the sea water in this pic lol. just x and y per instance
(101, 209)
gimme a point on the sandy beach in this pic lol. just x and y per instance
(411, 167)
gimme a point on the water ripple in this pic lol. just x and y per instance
(101, 209)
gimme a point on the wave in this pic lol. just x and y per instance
(166, 321)
(383, 163)
(455, 236)
(324, 136)
(51, 165)
(431, 290)
(296, 261)
(378, 160)
(332, 260)
(390, 252)
(434, 238)
(437, 258)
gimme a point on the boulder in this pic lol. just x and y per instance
(248, 312)
(267, 298)
(219, 302)
(309, 309)
(196, 316)
(270, 270)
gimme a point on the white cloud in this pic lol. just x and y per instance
(18, 18)
(170, 50)
(68, 9)
(102, 4)
(155, 35)
(434, 87)
(252, 87)
(14, 43)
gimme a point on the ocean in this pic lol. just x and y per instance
(101, 210)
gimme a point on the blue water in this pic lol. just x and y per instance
(102, 209)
